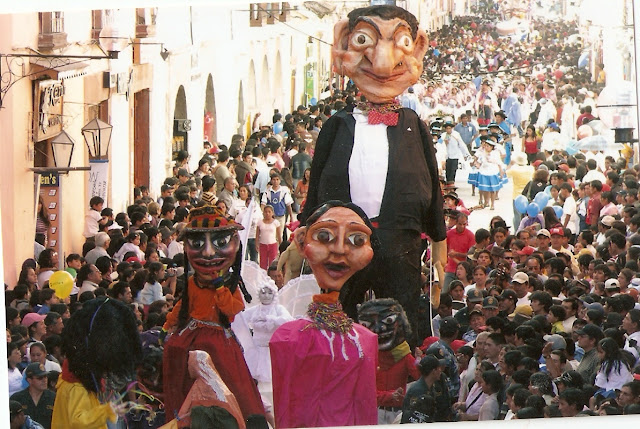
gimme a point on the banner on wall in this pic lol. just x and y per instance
(50, 193)
(98, 179)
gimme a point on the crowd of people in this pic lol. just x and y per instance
(538, 320)
(137, 256)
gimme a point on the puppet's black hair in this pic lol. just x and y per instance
(101, 340)
(387, 13)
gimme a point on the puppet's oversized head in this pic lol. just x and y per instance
(211, 242)
(336, 243)
(386, 318)
(381, 49)
(101, 341)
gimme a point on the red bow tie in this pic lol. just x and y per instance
(388, 118)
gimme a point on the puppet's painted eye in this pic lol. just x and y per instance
(197, 241)
(361, 39)
(323, 236)
(357, 239)
(221, 242)
(390, 319)
(405, 41)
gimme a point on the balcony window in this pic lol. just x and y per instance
(52, 35)
(146, 22)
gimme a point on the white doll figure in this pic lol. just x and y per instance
(263, 320)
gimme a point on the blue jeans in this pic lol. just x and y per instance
(252, 252)
(517, 217)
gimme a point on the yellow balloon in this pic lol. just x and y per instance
(62, 283)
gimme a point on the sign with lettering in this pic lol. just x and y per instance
(98, 179)
(50, 192)
(49, 99)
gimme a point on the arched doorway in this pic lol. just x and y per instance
(181, 124)
(241, 118)
(210, 126)
(251, 87)
(267, 108)
(278, 94)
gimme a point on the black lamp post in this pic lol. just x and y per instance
(97, 136)
(62, 147)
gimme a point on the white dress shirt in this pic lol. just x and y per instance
(368, 164)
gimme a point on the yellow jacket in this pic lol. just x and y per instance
(75, 407)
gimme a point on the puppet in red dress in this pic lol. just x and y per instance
(201, 319)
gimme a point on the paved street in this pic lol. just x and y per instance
(480, 218)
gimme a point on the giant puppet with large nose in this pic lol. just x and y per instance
(381, 156)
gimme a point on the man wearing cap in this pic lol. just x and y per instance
(474, 296)
(520, 285)
(165, 191)
(490, 307)
(431, 383)
(449, 329)
(552, 343)
(544, 241)
(557, 238)
(183, 175)
(36, 400)
(507, 302)
(588, 338)
(17, 417)
(476, 326)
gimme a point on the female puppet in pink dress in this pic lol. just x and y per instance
(324, 365)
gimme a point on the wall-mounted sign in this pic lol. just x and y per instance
(49, 190)
(98, 179)
(49, 95)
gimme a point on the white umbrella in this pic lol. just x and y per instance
(598, 142)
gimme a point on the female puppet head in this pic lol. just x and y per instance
(381, 49)
(337, 242)
(101, 341)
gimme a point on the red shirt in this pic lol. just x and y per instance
(392, 374)
(458, 243)
(593, 208)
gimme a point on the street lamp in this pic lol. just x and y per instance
(62, 147)
(97, 136)
(111, 41)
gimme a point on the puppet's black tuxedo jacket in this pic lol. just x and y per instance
(412, 198)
